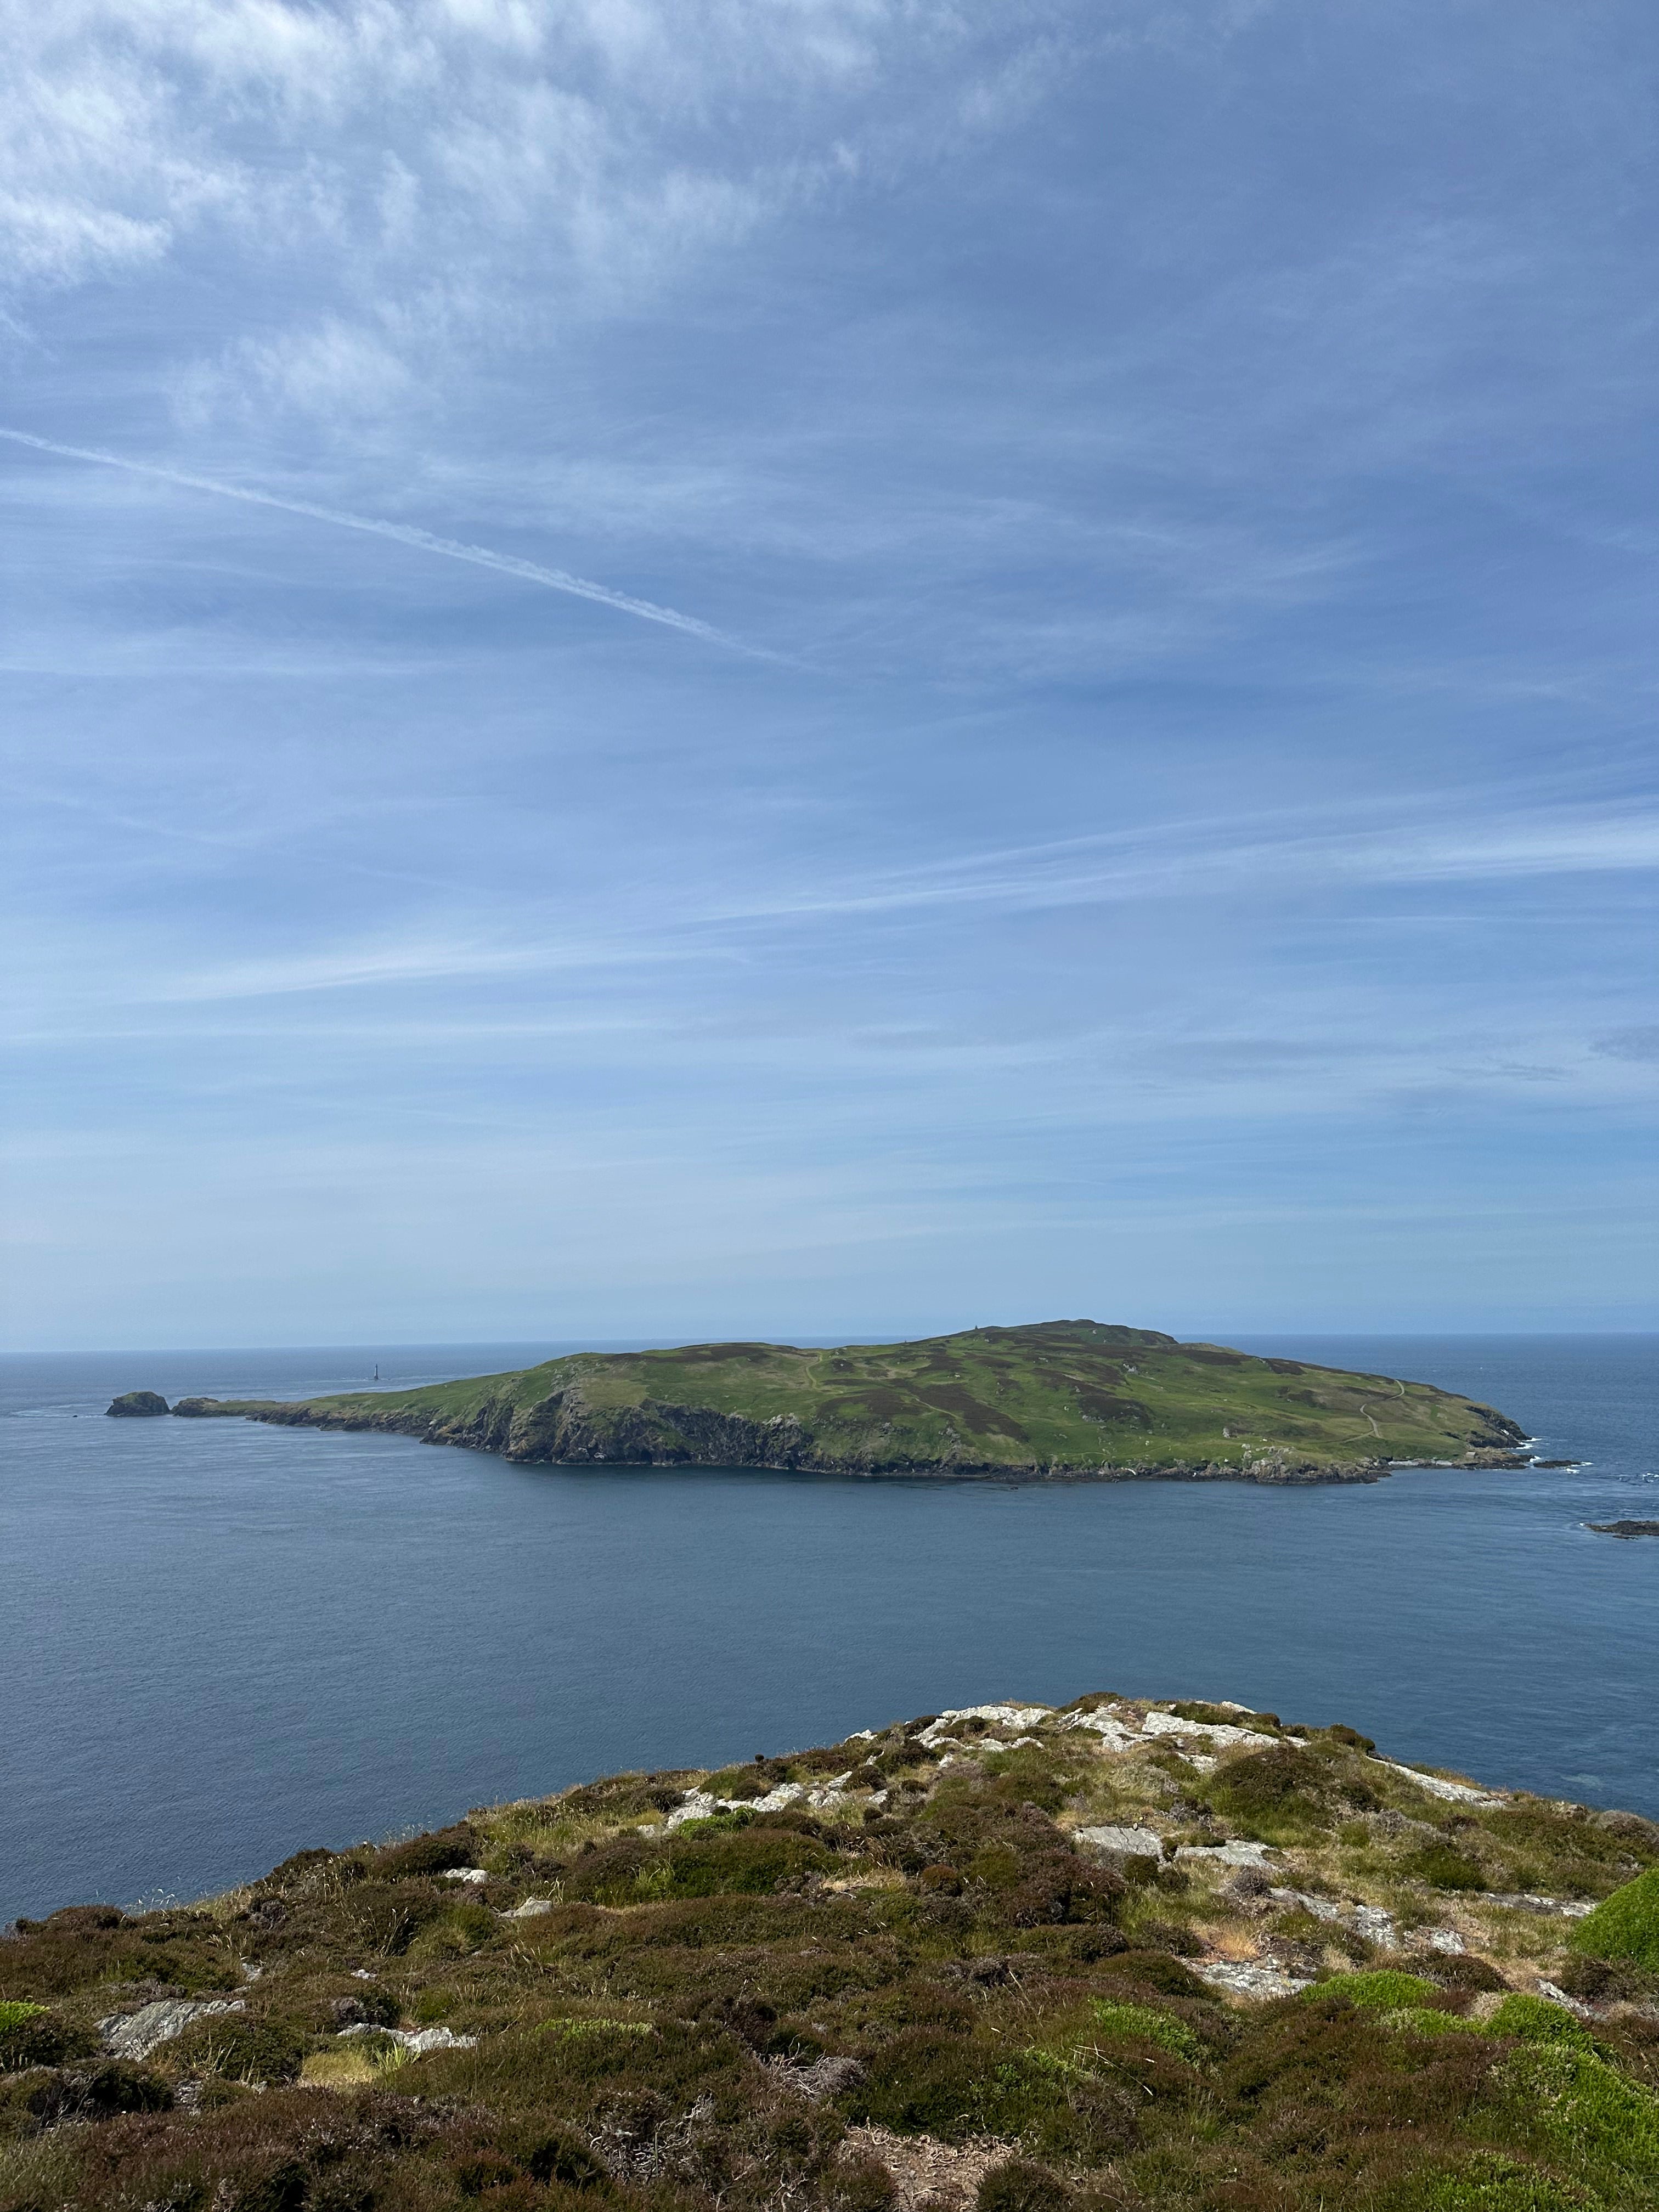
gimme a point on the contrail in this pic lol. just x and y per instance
(404, 533)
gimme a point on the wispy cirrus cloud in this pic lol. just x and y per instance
(1223, 859)
(692, 923)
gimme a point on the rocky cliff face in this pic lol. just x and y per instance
(564, 1429)
(136, 1405)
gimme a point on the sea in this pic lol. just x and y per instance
(221, 1643)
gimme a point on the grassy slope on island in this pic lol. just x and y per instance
(1004, 1961)
(1077, 1395)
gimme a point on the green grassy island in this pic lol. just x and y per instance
(1121, 1955)
(1063, 1398)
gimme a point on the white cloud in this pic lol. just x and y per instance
(430, 175)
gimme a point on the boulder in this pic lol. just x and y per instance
(134, 1403)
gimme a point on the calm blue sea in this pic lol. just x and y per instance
(222, 1642)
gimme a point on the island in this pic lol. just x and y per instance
(1125, 1954)
(1060, 1399)
(136, 1405)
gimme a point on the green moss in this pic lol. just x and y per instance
(1386, 1988)
(1585, 2109)
(1162, 2028)
(1624, 1925)
(1425, 2020)
(1490, 2182)
(1534, 2020)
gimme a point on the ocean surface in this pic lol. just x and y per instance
(221, 1642)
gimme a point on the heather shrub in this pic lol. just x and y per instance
(98, 2093)
(1442, 1866)
(427, 1855)
(1020, 2186)
(1158, 1971)
(1276, 1796)
(238, 2049)
(34, 2035)
(454, 1931)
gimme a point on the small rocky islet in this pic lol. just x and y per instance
(1064, 1399)
(1018, 1958)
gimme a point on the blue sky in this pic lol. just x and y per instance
(1055, 717)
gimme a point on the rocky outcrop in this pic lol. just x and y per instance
(139, 1405)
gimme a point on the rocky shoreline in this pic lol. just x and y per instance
(563, 1429)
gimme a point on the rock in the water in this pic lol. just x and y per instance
(1623, 1527)
(137, 1402)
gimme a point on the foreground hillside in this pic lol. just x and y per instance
(1056, 1398)
(1013, 1958)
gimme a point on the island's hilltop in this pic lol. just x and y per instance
(1056, 1398)
(1117, 1956)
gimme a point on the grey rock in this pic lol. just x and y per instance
(1127, 1843)
(1236, 1852)
(1246, 1978)
(135, 2034)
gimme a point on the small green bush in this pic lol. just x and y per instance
(920, 2082)
(559, 2157)
(1624, 1925)
(428, 1855)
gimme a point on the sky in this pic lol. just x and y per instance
(793, 667)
